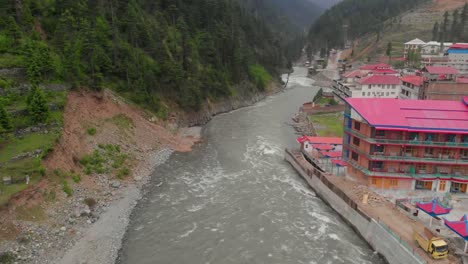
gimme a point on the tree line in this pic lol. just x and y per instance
(151, 50)
(453, 27)
(357, 18)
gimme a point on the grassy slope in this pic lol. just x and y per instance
(416, 23)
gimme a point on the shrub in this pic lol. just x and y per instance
(67, 189)
(76, 178)
(92, 131)
(123, 173)
(260, 76)
(90, 202)
(7, 258)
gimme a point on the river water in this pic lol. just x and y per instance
(235, 200)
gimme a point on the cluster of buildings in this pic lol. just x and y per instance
(382, 81)
(404, 131)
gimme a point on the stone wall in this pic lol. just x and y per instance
(375, 233)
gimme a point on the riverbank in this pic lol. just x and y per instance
(387, 230)
(69, 229)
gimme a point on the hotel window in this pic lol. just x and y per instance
(430, 137)
(380, 133)
(379, 148)
(409, 151)
(451, 138)
(413, 136)
(356, 141)
(357, 125)
(465, 138)
(393, 182)
(429, 151)
(354, 156)
(464, 153)
(374, 181)
(363, 93)
(442, 186)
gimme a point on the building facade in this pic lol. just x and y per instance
(413, 45)
(410, 86)
(377, 86)
(407, 144)
(458, 57)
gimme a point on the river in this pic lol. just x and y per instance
(233, 199)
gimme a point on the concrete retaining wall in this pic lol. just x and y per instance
(376, 234)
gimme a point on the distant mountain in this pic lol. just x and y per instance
(325, 4)
(286, 15)
(361, 16)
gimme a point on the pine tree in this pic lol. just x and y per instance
(389, 52)
(37, 105)
(435, 31)
(454, 34)
(5, 120)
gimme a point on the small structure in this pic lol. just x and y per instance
(411, 84)
(413, 45)
(6, 180)
(440, 73)
(433, 209)
(460, 228)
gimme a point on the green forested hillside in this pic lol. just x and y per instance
(183, 51)
(361, 17)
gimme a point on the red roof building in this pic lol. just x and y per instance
(407, 144)
(438, 70)
(411, 86)
(381, 79)
(375, 66)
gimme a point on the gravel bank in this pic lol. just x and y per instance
(102, 240)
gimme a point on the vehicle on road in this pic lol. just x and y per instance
(431, 243)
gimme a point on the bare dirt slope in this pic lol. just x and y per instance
(41, 222)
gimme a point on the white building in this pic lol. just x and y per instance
(432, 48)
(378, 86)
(414, 44)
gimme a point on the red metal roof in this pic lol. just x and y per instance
(433, 208)
(459, 46)
(413, 79)
(325, 147)
(381, 79)
(459, 227)
(412, 115)
(321, 140)
(332, 154)
(353, 74)
(384, 71)
(462, 80)
(340, 163)
(441, 70)
(375, 66)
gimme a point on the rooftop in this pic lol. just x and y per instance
(413, 79)
(441, 70)
(375, 66)
(321, 140)
(381, 79)
(415, 41)
(413, 115)
(353, 74)
(459, 46)
(384, 71)
(435, 43)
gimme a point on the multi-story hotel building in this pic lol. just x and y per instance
(407, 144)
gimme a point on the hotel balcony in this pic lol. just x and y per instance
(409, 142)
(395, 173)
(407, 157)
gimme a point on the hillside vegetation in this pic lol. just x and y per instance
(160, 54)
(416, 23)
(151, 50)
(361, 16)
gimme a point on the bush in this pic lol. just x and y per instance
(123, 173)
(90, 202)
(67, 189)
(76, 178)
(92, 131)
(260, 76)
(7, 258)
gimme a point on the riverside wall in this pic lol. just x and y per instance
(378, 235)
